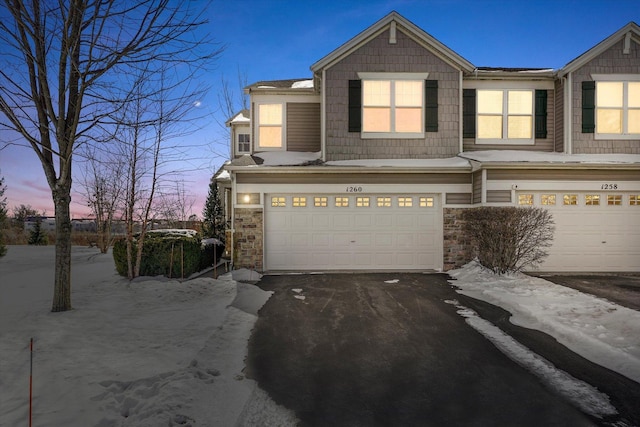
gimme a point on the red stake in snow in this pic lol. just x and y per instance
(30, 380)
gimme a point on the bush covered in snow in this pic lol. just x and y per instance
(509, 239)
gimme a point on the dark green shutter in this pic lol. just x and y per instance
(355, 105)
(588, 107)
(541, 113)
(469, 113)
(431, 106)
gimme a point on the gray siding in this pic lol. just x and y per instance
(477, 187)
(458, 198)
(546, 144)
(303, 127)
(499, 196)
(380, 56)
(613, 61)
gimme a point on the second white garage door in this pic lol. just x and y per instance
(352, 232)
(595, 232)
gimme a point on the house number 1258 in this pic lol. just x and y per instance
(609, 187)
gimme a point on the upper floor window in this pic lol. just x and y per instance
(270, 123)
(505, 116)
(618, 108)
(244, 143)
(392, 106)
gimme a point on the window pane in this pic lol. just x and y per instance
(342, 202)
(299, 202)
(408, 93)
(405, 202)
(490, 101)
(362, 202)
(376, 120)
(270, 136)
(570, 199)
(278, 202)
(592, 199)
(634, 94)
(520, 102)
(320, 202)
(376, 93)
(525, 199)
(490, 127)
(609, 121)
(633, 121)
(614, 200)
(609, 94)
(634, 200)
(384, 202)
(409, 120)
(519, 127)
(426, 202)
(270, 114)
(548, 199)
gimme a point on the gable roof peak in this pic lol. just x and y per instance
(409, 28)
(631, 31)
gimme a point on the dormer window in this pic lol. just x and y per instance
(244, 143)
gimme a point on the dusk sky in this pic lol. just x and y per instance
(271, 40)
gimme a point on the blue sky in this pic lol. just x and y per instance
(281, 39)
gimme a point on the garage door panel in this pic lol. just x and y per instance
(596, 238)
(353, 237)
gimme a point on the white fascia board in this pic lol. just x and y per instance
(343, 188)
(555, 185)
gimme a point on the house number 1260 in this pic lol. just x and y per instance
(354, 189)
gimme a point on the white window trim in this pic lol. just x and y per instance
(257, 128)
(247, 132)
(505, 116)
(622, 78)
(394, 77)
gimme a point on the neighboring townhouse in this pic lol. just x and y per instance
(369, 164)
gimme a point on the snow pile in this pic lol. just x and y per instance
(452, 162)
(287, 158)
(603, 332)
(302, 84)
(146, 353)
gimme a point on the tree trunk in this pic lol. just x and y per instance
(62, 284)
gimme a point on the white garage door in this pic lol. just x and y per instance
(352, 232)
(595, 232)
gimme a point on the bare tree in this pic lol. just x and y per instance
(59, 65)
(103, 188)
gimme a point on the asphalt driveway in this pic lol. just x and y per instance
(352, 350)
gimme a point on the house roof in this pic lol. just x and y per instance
(243, 116)
(631, 30)
(304, 84)
(406, 26)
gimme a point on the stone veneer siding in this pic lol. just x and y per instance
(457, 247)
(248, 239)
(613, 61)
(380, 56)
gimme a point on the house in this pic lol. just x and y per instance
(369, 163)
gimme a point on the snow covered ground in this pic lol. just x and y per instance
(600, 331)
(147, 353)
(158, 352)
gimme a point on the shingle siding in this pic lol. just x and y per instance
(559, 116)
(303, 126)
(380, 56)
(612, 61)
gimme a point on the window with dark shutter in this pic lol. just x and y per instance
(355, 105)
(431, 106)
(541, 113)
(588, 106)
(469, 113)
